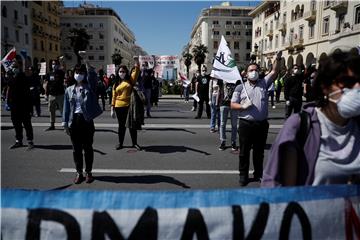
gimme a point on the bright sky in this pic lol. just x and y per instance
(161, 27)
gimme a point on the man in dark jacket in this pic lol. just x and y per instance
(19, 100)
(293, 91)
(55, 90)
(202, 89)
(147, 81)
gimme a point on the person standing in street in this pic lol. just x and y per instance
(19, 100)
(146, 80)
(55, 92)
(202, 89)
(34, 81)
(122, 91)
(80, 108)
(293, 91)
(251, 101)
(214, 101)
(155, 90)
(227, 90)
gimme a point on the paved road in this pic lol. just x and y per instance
(179, 153)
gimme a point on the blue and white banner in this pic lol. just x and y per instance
(326, 212)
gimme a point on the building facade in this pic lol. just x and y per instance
(304, 30)
(16, 28)
(233, 22)
(45, 17)
(108, 35)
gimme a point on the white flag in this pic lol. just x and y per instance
(224, 66)
(7, 61)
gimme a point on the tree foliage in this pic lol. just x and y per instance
(199, 52)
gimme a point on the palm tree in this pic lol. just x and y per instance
(79, 41)
(188, 57)
(199, 52)
(116, 57)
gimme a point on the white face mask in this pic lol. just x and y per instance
(78, 77)
(122, 75)
(349, 103)
(253, 76)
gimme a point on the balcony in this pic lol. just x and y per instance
(237, 37)
(227, 26)
(215, 36)
(310, 15)
(282, 28)
(238, 27)
(298, 43)
(269, 33)
(216, 26)
(339, 5)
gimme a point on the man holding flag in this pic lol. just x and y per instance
(251, 99)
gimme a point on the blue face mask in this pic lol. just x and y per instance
(349, 103)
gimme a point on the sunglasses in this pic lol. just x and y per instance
(122, 72)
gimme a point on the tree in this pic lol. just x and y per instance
(79, 41)
(116, 58)
(187, 60)
(199, 52)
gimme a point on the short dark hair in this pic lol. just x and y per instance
(252, 63)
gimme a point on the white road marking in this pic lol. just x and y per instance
(146, 126)
(139, 171)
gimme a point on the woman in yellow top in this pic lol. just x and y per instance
(121, 100)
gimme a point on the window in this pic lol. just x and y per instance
(228, 22)
(6, 32)
(26, 4)
(101, 47)
(91, 47)
(236, 45)
(227, 33)
(311, 31)
(313, 5)
(17, 35)
(26, 38)
(56, 47)
(101, 36)
(90, 36)
(116, 28)
(236, 57)
(283, 39)
(215, 22)
(270, 44)
(341, 22)
(101, 58)
(50, 46)
(90, 25)
(266, 46)
(326, 23)
(248, 33)
(216, 44)
(301, 32)
(237, 22)
(15, 14)
(247, 57)
(216, 33)
(326, 3)
(68, 25)
(357, 15)
(4, 11)
(25, 20)
(42, 45)
(284, 18)
(248, 45)
(91, 57)
(101, 25)
(35, 44)
(276, 41)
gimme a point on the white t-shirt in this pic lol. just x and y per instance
(78, 90)
(339, 154)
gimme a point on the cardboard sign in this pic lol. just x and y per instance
(42, 69)
(110, 69)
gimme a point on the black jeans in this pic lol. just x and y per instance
(20, 117)
(252, 134)
(121, 114)
(82, 137)
(201, 106)
(295, 105)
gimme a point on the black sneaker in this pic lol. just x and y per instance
(118, 147)
(50, 128)
(79, 178)
(16, 145)
(137, 147)
(222, 146)
(197, 117)
(234, 147)
(243, 181)
(89, 178)
(30, 146)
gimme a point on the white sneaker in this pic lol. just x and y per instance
(193, 109)
(273, 107)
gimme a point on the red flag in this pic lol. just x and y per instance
(8, 59)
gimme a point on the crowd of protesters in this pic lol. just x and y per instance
(311, 136)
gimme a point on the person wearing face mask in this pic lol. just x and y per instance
(121, 100)
(293, 91)
(19, 100)
(55, 91)
(329, 152)
(251, 101)
(81, 107)
(202, 89)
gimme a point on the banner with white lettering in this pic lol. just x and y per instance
(8, 59)
(42, 71)
(325, 212)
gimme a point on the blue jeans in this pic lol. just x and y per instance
(215, 115)
(224, 112)
(186, 93)
(147, 94)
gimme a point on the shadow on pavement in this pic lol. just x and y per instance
(106, 130)
(6, 128)
(169, 129)
(171, 149)
(54, 147)
(60, 188)
(146, 179)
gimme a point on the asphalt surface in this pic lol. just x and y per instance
(179, 153)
